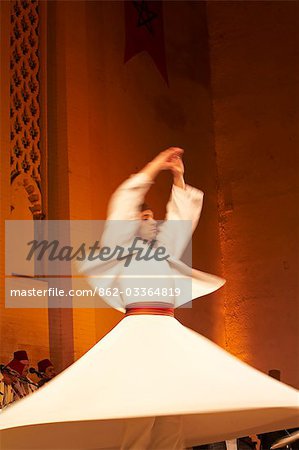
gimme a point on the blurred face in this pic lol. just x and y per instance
(146, 214)
(148, 227)
(50, 372)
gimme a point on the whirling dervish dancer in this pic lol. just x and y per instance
(159, 385)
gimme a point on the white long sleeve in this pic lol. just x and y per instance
(126, 200)
(123, 218)
(185, 204)
(182, 214)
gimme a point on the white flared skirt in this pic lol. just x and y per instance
(149, 366)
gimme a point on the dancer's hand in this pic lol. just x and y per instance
(165, 160)
(177, 169)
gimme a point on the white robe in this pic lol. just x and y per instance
(150, 366)
(182, 215)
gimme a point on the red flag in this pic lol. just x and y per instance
(144, 32)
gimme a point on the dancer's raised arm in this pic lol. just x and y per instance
(182, 212)
(125, 203)
(126, 200)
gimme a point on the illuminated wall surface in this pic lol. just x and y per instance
(82, 107)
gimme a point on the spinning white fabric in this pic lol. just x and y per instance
(150, 372)
(123, 225)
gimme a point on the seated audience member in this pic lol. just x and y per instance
(25, 385)
(8, 377)
(47, 371)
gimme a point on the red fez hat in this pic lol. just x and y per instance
(21, 355)
(44, 364)
(16, 365)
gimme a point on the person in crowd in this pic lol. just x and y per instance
(24, 384)
(8, 377)
(46, 370)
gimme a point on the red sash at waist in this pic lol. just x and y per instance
(150, 308)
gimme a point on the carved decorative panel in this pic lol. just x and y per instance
(25, 154)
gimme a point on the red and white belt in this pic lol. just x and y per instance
(150, 308)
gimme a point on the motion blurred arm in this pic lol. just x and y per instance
(182, 215)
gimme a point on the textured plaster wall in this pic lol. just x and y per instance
(254, 65)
